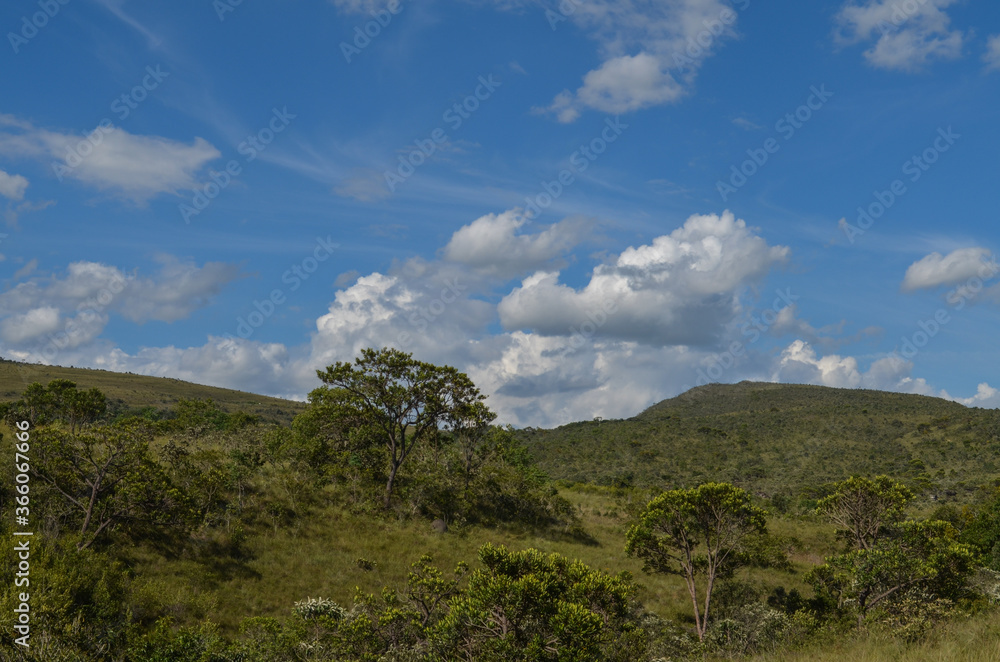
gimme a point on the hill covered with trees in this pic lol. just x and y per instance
(394, 519)
(782, 442)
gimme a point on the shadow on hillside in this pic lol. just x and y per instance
(222, 561)
(574, 534)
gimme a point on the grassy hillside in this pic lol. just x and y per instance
(274, 532)
(778, 439)
(142, 391)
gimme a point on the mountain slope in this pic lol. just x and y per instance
(142, 391)
(780, 439)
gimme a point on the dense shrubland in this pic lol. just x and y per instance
(127, 502)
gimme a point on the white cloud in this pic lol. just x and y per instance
(492, 244)
(88, 291)
(683, 289)
(112, 159)
(907, 35)
(986, 396)
(680, 298)
(31, 324)
(992, 55)
(935, 270)
(651, 52)
(176, 291)
(799, 363)
(12, 186)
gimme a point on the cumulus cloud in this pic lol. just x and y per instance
(960, 265)
(650, 52)
(111, 159)
(77, 303)
(800, 363)
(682, 289)
(493, 244)
(986, 397)
(524, 345)
(24, 326)
(12, 187)
(907, 35)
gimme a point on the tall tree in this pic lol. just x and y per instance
(400, 401)
(696, 532)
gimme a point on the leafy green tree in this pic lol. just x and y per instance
(916, 560)
(59, 400)
(865, 509)
(983, 532)
(470, 427)
(109, 479)
(74, 406)
(399, 401)
(695, 532)
(528, 606)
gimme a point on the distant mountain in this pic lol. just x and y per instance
(142, 391)
(781, 439)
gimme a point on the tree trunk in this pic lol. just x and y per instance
(389, 484)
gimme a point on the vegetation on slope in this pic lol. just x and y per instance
(217, 535)
(782, 442)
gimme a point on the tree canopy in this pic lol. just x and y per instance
(400, 403)
(696, 532)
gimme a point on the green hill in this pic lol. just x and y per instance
(128, 390)
(780, 439)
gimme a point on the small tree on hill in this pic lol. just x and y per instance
(109, 479)
(865, 508)
(60, 400)
(400, 401)
(696, 532)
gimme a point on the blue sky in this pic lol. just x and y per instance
(587, 205)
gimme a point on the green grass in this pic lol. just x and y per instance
(317, 557)
(969, 639)
(143, 391)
